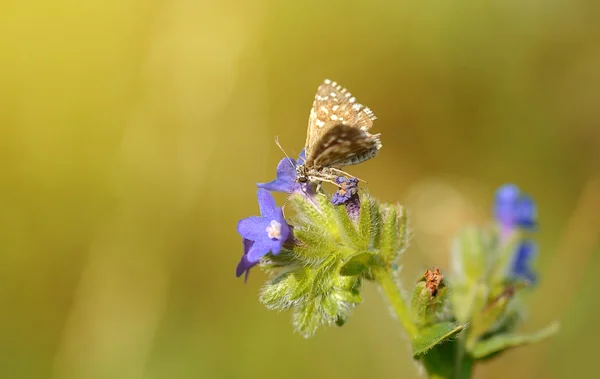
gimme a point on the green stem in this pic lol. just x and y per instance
(463, 364)
(392, 292)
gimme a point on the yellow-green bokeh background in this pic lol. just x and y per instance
(132, 134)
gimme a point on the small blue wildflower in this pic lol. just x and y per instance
(521, 266)
(286, 176)
(348, 188)
(263, 234)
(512, 209)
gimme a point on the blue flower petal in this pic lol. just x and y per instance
(275, 247)
(253, 228)
(513, 209)
(245, 265)
(285, 228)
(242, 266)
(525, 212)
(504, 205)
(256, 230)
(507, 193)
(259, 249)
(286, 177)
(522, 262)
(267, 205)
(247, 245)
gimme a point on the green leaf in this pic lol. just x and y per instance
(420, 303)
(316, 245)
(433, 335)
(307, 318)
(440, 362)
(489, 347)
(349, 227)
(330, 220)
(467, 300)
(469, 254)
(306, 211)
(374, 239)
(351, 297)
(394, 233)
(389, 232)
(427, 308)
(369, 219)
(357, 264)
(285, 290)
(493, 313)
(503, 259)
(330, 307)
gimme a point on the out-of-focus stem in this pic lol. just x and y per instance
(392, 292)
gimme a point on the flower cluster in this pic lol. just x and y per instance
(321, 251)
(270, 232)
(491, 266)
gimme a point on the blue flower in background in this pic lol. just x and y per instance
(263, 234)
(522, 263)
(513, 210)
(286, 176)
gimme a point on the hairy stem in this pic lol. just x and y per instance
(392, 292)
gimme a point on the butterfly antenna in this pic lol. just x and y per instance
(288, 196)
(284, 153)
(291, 163)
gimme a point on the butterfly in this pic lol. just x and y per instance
(337, 135)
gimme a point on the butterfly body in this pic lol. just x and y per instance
(337, 134)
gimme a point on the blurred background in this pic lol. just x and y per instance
(132, 134)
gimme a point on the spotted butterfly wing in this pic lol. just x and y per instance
(338, 129)
(344, 145)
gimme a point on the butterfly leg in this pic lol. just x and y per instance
(344, 173)
(320, 181)
(318, 190)
(319, 185)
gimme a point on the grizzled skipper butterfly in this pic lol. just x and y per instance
(337, 135)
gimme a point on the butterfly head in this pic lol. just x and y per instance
(301, 174)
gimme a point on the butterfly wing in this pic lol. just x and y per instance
(334, 105)
(344, 145)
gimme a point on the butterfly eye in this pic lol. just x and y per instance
(303, 179)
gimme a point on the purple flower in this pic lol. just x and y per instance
(347, 189)
(286, 176)
(521, 265)
(263, 234)
(353, 208)
(512, 209)
(347, 194)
